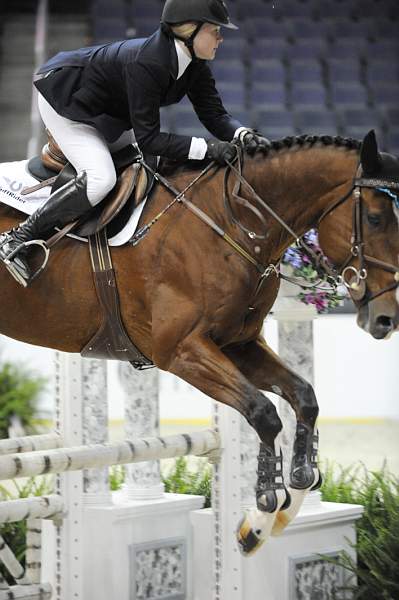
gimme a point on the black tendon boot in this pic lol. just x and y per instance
(65, 205)
(304, 466)
(270, 480)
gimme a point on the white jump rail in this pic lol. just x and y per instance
(41, 591)
(30, 443)
(59, 460)
(43, 507)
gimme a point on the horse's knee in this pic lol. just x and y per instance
(307, 402)
(264, 419)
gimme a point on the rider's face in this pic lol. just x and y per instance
(207, 41)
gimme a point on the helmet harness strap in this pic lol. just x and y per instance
(189, 42)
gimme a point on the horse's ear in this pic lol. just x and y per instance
(369, 156)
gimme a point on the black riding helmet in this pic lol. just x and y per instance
(203, 11)
(176, 12)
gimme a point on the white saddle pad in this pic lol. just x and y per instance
(14, 176)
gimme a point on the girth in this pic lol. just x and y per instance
(111, 341)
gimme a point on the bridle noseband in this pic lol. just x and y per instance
(355, 278)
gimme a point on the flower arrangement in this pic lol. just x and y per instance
(302, 268)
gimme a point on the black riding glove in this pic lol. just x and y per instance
(221, 151)
(252, 141)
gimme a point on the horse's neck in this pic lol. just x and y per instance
(299, 184)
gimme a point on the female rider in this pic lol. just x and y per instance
(96, 100)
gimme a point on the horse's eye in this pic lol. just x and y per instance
(374, 219)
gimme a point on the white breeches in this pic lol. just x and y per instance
(86, 149)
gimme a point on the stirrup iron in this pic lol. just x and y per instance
(13, 270)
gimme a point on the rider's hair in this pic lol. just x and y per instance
(184, 30)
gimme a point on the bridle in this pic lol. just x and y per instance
(355, 278)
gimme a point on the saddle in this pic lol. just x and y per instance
(52, 168)
(111, 341)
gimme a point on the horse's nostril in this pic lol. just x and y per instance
(385, 322)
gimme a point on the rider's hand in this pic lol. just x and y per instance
(252, 141)
(221, 151)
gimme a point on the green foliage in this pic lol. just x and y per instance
(117, 476)
(181, 480)
(19, 391)
(377, 545)
(14, 534)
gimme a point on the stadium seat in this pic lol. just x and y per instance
(392, 141)
(347, 49)
(384, 50)
(308, 96)
(385, 96)
(233, 49)
(275, 124)
(316, 122)
(348, 95)
(268, 71)
(357, 122)
(268, 49)
(228, 70)
(306, 49)
(382, 71)
(268, 96)
(305, 71)
(265, 28)
(233, 94)
(347, 70)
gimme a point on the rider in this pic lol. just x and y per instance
(98, 99)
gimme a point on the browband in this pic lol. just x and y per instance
(376, 183)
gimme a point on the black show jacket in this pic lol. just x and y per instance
(122, 85)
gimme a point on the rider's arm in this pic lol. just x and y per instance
(208, 104)
(145, 84)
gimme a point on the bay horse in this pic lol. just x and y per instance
(195, 307)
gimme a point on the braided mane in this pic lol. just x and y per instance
(170, 167)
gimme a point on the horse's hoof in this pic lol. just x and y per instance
(249, 540)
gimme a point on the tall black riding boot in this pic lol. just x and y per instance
(65, 205)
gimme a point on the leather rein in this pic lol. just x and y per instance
(354, 279)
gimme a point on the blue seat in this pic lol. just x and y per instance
(309, 29)
(268, 49)
(392, 141)
(384, 28)
(186, 122)
(365, 117)
(275, 124)
(382, 71)
(348, 95)
(268, 71)
(228, 70)
(150, 9)
(371, 9)
(384, 50)
(385, 96)
(268, 96)
(145, 27)
(331, 9)
(347, 49)
(112, 10)
(316, 122)
(345, 70)
(307, 49)
(233, 49)
(392, 117)
(266, 28)
(233, 94)
(308, 96)
(108, 30)
(254, 9)
(292, 9)
(305, 71)
(346, 29)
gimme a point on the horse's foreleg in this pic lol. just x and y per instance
(266, 371)
(199, 361)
